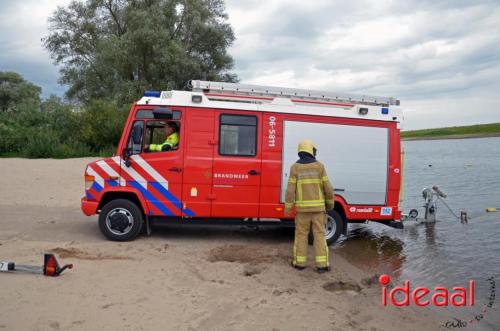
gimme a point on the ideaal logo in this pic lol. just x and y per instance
(439, 297)
(421, 296)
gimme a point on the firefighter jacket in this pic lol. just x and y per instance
(171, 141)
(308, 186)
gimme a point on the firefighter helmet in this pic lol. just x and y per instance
(307, 146)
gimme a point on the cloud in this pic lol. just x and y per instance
(462, 109)
(22, 26)
(428, 53)
(420, 51)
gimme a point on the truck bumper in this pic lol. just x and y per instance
(89, 208)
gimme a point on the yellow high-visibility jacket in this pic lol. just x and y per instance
(309, 188)
(171, 140)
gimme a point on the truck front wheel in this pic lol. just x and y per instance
(120, 220)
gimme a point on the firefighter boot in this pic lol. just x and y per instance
(302, 225)
(323, 270)
(298, 267)
(320, 245)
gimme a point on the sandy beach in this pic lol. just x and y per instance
(179, 278)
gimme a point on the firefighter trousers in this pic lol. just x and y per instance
(303, 222)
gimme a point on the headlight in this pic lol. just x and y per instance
(89, 180)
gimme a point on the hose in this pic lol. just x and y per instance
(451, 211)
(488, 210)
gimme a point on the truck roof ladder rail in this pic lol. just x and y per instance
(261, 91)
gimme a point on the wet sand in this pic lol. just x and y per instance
(180, 278)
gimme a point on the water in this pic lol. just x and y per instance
(446, 253)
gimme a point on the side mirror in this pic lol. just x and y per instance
(137, 135)
(126, 156)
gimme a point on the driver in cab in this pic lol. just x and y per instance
(170, 143)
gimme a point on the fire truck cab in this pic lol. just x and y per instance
(235, 148)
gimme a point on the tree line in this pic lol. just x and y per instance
(36, 128)
(109, 52)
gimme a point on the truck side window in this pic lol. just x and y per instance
(237, 135)
(137, 131)
(156, 135)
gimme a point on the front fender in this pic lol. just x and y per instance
(116, 192)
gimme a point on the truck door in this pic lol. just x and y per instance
(198, 159)
(237, 164)
(162, 171)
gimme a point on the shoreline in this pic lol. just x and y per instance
(454, 136)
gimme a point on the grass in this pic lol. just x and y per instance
(480, 130)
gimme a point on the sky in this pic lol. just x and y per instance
(441, 58)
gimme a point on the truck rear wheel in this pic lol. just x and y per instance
(334, 226)
(120, 220)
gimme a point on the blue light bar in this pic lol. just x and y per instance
(153, 94)
(385, 110)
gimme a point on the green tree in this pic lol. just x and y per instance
(101, 125)
(54, 127)
(17, 93)
(119, 48)
(61, 117)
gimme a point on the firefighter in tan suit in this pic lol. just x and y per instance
(310, 190)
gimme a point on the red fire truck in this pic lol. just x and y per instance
(236, 145)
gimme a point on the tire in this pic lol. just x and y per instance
(333, 229)
(334, 226)
(120, 220)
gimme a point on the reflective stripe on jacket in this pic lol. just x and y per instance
(309, 188)
(171, 141)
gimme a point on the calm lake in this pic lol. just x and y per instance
(446, 253)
